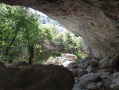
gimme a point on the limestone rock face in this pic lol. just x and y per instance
(36, 77)
(97, 21)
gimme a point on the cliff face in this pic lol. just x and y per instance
(97, 21)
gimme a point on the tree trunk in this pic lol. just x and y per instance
(7, 49)
(31, 54)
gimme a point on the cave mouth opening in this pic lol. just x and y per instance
(51, 40)
(92, 20)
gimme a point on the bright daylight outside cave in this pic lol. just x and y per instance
(59, 45)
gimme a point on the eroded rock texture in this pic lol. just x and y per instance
(97, 21)
(36, 77)
(97, 78)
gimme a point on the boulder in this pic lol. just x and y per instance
(93, 66)
(106, 78)
(84, 63)
(109, 62)
(88, 80)
(18, 64)
(37, 77)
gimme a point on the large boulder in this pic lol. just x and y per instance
(36, 77)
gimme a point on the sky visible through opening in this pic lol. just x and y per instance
(45, 19)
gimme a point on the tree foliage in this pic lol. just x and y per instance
(22, 37)
(19, 28)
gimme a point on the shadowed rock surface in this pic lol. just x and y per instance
(97, 21)
(106, 78)
(36, 77)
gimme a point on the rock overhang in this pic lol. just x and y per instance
(97, 21)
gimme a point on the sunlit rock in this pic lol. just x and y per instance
(66, 60)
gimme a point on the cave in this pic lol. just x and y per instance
(96, 21)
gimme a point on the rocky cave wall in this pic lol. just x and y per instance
(97, 21)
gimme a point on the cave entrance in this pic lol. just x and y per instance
(31, 35)
(89, 19)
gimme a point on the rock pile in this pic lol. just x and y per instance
(97, 75)
(88, 74)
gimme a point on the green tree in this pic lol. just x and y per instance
(22, 37)
(19, 28)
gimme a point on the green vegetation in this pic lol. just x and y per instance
(23, 37)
